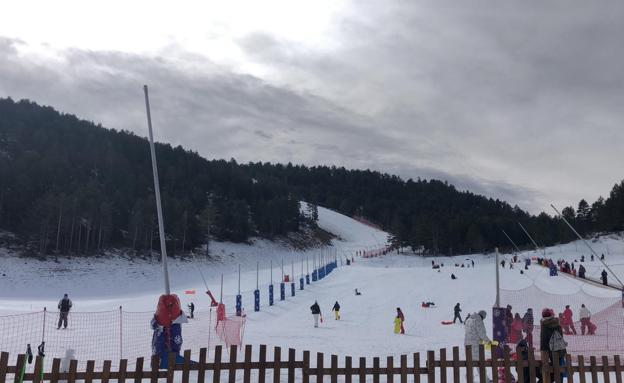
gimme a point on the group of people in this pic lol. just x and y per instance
(521, 327)
(317, 315)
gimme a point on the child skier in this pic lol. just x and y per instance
(516, 329)
(568, 321)
(527, 323)
(398, 322)
(336, 310)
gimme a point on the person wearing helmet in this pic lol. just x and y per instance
(475, 332)
(551, 337)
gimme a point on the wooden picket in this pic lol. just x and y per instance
(600, 369)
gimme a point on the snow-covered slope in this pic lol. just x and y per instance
(366, 325)
(105, 283)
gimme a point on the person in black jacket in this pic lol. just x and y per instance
(457, 314)
(336, 310)
(316, 312)
(64, 306)
(581, 271)
(191, 307)
(604, 277)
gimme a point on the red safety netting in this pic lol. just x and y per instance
(607, 315)
(109, 335)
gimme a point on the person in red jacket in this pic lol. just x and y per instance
(515, 335)
(568, 320)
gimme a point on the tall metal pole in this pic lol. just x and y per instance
(529, 235)
(588, 246)
(221, 295)
(497, 280)
(257, 273)
(161, 224)
(239, 279)
(511, 240)
(271, 271)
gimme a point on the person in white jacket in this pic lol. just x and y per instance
(475, 332)
(586, 324)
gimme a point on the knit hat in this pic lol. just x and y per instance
(482, 314)
(547, 313)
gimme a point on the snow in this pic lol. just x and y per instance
(366, 326)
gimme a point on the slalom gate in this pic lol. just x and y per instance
(607, 314)
(110, 335)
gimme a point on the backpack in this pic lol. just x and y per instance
(556, 342)
(65, 305)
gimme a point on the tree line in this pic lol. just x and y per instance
(73, 187)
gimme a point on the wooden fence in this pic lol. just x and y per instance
(287, 368)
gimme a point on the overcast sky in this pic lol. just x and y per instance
(518, 100)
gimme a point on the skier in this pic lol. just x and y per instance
(515, 333)
(604, 277)
(336, 310)
(582, 258)
(551, 337)
(475, 332)
(316, 312)
(503, 264)
(453, 276)
(357, 292)
(592, 257)
(602, 257)
(527, 322)
(581, 271)
(64, 306)
(398, 322)
(586, 323)
(191, 307)
(457, 314)
(568, 321)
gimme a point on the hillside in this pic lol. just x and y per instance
(73, 187)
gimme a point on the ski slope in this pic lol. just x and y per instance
(367, 320)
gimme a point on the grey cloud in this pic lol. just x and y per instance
(503, 93)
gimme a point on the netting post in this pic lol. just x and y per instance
(607, 335)
(45, 311)
(120, 333)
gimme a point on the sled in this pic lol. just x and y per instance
(447, 322)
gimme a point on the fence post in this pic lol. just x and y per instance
(247, 364)
(430, 367)
(618, 369)
(456, 378)
(607, 335)
(581, 368)
(605, 369)
(443, 365)
(4, 363)
(469, 370)
(593, 368)
(545, 367)
(349, 369)
(305, 375)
